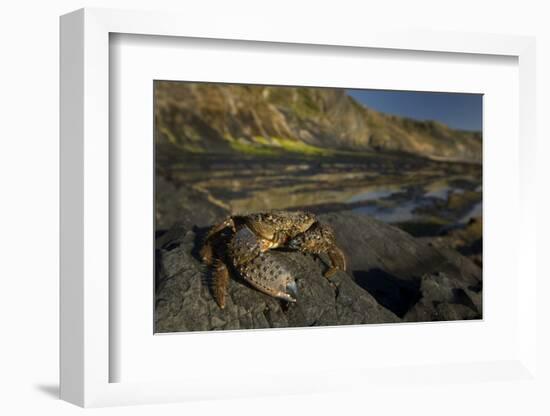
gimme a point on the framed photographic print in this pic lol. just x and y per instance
(251, 179)
(288, 199)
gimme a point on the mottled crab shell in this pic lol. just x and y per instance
(263, 270)
(277, 227)
(317, 239)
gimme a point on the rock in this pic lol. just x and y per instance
(467, 239)
(444, 299)
(391, 264)
(391, 277)
(185, 205)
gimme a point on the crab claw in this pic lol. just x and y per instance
(291, 291)
(271, 274)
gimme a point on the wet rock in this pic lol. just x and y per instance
(184, 205)
(391, 277)
(390, 264)
(443, 298)
(467, 239)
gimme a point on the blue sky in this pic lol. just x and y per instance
(457, 110)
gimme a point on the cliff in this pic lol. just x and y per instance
(264, 120)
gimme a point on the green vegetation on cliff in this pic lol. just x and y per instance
(267, 120)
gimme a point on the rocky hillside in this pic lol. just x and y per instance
(262, 120)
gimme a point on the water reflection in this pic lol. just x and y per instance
(391, 189)
(419, 203)
(400, 213)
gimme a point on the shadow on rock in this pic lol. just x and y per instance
(396, 294)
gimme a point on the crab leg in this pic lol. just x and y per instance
(220, 276)
(207, 250)
(207, 253)
(338, 260)
(227, 223)
(318, 239)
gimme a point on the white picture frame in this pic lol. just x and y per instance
(86, 301)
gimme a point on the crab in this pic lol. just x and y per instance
(242, 243)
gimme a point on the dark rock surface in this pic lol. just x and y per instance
(467, 239)
(391, 277)
(185, 205)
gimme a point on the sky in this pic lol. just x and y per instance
(457, 110)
